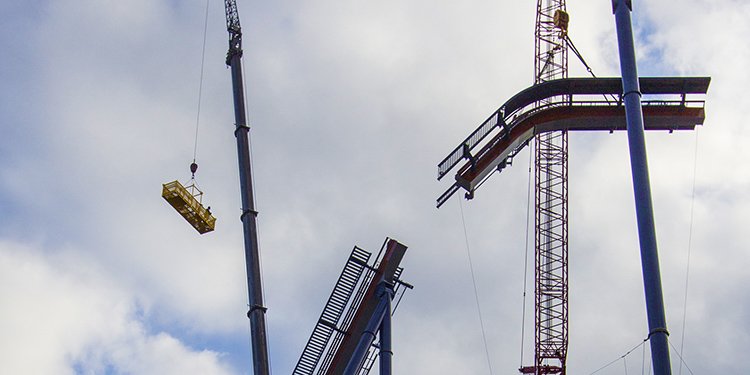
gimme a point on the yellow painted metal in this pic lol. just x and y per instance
(187, 204)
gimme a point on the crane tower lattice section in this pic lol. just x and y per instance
(551, 199)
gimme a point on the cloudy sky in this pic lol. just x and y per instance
(352, 105)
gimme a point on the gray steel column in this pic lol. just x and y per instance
(257, 311)
(368, 336)
(657, 322)
(386, 351)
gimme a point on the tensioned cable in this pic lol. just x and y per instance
(578, 54)
(200, 84)
(620, 357)
(526, 254)
(682, 361)
(580, 57)
(474, 282)
(690, 242)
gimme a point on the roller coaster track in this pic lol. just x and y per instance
(582, 104)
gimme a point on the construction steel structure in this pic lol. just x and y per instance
(545, 112)
(350, 321)
(358, 309)
(657, 320)
(550, 200)
(669, 106)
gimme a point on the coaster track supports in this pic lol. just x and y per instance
(657, 322)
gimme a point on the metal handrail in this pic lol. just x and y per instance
(523, 112)
(565, 89)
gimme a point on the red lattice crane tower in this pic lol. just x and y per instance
(551, 201)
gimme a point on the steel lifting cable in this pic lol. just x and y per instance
(621, 357)
(474, 282)
(526, 253)
(578, 54)
(682, 360)
(194, 165)
(583, 61)
(689, 247)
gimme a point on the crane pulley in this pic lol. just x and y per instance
(234, 29)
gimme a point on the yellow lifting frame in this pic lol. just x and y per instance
(187, 204)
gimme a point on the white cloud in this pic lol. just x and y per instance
(62, 314)
(352, 106)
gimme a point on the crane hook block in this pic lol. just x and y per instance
(561, 19)
(193, 167)
(187, 202)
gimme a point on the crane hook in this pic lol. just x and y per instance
(193, 168)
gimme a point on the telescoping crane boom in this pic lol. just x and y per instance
(257, 311)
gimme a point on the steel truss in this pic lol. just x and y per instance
(551, 257)
(551, 200)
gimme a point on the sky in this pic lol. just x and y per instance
(352, 105)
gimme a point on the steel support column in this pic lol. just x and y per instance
(386, 350)
(368, 335)
(657, 322)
